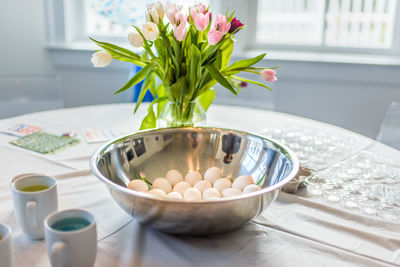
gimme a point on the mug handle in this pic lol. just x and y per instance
(56, 253)
(31, 215)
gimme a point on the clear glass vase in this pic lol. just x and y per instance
(174, 114)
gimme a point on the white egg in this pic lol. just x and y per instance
(242, 181)
(138, 185)
(211, 193)
(163, 184)
(251, 188)
(213, 174)
(230, 192)
(181, 187)
(192, 194)
(193, 177)
(203, 185)
(222, 183)
(174, 177)
(174, 195)
(157, 193)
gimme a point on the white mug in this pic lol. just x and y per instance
(5, 246)
(31, 208)
(70, 242)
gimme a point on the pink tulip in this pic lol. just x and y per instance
(200, 8)
(201, 21)
(214, 36)
(180, 18)
(172, 10)
(236, 25)
(180, 31)
(221, 24)
(269, 75)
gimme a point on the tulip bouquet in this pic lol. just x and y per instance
(184, 55)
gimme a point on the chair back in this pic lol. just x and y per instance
(20, 94)
(389, 132)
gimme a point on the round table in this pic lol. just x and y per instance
(348, 214)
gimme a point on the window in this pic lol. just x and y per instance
(115, 17)
(342, 26)
(327, 23)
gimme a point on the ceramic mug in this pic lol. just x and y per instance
(35, 197)
(5, 246)
(71, 238)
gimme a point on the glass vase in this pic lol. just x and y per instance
(174, 114)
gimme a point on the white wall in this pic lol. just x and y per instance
(23, 38)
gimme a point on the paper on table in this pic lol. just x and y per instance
(74, 157)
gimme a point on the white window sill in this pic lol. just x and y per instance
(327, 57)
(276, 55)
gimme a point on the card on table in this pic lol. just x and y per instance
(96, 135)
(44, 143)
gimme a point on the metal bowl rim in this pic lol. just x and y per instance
(115, 186)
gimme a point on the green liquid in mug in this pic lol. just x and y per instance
(70, 224)
(34, 188)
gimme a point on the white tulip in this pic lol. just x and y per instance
(101, 59)
(153, 14)
(160, 9)
(135, 39)
(150, 31)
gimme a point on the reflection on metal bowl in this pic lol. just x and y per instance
(157, 151)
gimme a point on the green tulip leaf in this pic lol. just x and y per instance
(250, 81)
(113, 47)
(207, 98)
(139, 76)
(146, 85)
(150, 121)
(220, 78)
(244, 63)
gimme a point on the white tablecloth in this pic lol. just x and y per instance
(295, 229)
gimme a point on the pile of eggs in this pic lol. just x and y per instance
(195, 187)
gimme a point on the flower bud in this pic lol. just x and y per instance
(135, 39)
(152, 16)
(101, 59)
(269, 75)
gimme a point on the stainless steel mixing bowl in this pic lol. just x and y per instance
(157, 151)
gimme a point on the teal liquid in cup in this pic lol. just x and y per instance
(70, 224)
